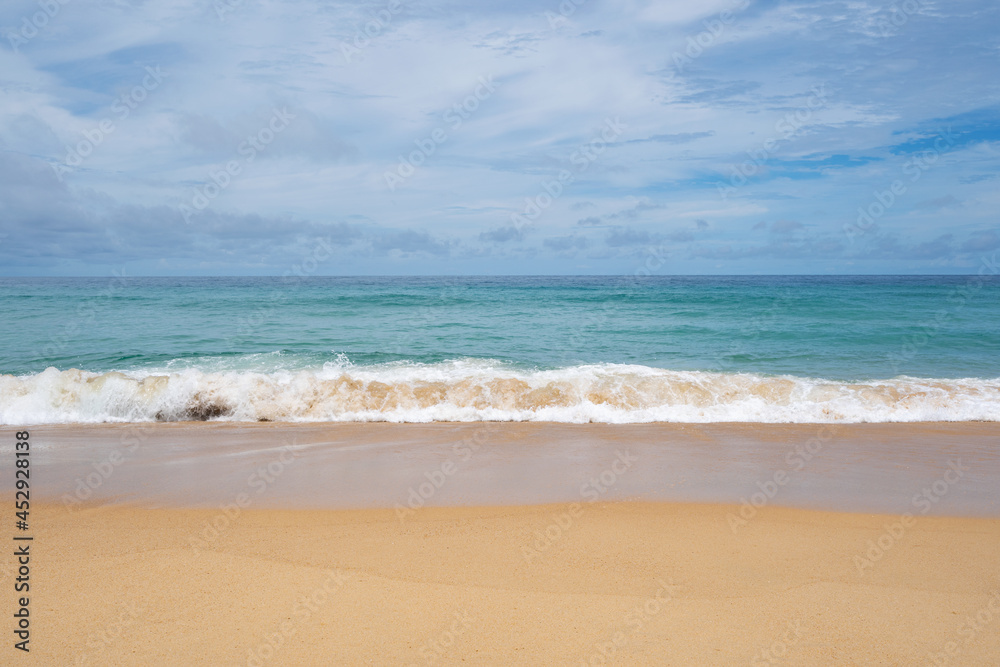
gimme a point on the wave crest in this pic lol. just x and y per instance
(480, 390)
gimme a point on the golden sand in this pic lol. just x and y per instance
(615, 583)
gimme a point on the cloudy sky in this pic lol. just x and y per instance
(435, 137)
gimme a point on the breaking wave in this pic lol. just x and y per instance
(483, 390)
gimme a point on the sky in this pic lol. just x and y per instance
(261, 137)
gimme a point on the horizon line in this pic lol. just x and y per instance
(517, 275)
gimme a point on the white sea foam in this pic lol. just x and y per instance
(478, 390)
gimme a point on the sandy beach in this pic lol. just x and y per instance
(615, 583)
(277, 544)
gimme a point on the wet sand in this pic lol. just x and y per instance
(274, 544)
(853, 467)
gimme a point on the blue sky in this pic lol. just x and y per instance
(721, 137)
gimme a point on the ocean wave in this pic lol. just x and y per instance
(482, 390)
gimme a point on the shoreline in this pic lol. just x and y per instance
(838, 467)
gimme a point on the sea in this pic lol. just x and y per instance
(613, 349)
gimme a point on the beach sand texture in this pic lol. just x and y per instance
(621, 583)
(517, 557)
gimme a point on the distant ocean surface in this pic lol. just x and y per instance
(570, 349)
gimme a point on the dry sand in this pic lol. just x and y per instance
(646, 583)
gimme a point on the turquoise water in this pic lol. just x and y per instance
(565, 348)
